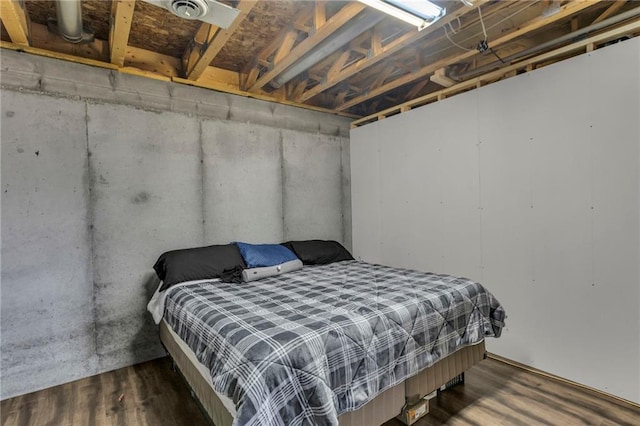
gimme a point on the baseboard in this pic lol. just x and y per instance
(562, 380)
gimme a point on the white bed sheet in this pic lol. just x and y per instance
(156, 304)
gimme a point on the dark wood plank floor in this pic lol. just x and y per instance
(152, 394)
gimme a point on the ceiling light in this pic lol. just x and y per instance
(420, 13)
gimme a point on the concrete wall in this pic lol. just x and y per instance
(102, 172)
(532, 187)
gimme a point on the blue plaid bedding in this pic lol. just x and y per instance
(304, 347)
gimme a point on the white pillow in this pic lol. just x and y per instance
(253, 274)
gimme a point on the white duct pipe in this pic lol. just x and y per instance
(69, 14)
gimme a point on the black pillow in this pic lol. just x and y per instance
(318, 252)
(199, 263)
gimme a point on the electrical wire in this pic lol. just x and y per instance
(453, 42)
(484, 30)
(506, 18)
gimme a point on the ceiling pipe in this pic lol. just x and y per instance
(364, 21)
(69, 22)
(552, 43)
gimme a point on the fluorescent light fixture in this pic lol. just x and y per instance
(420, 13)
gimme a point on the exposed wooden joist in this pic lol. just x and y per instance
(196, 64)
(16, 21)
(252, 70)
(319, 14)
(285, 46)
(532, 25)
(416, 89)
(616, 6)
(381, 77)
(338, 20)
(338, 64)
(440, 77)
(203, 36)
(527, 64)
(341, 95)
(121, 18)
(384, 52)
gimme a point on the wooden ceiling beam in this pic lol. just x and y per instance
(338, 20)
(319, 14)
(565, 11)
(381, 77)
(16, 21)
(339, 63)
(198, 62)
(415, 90)
(252, 70)
(530, 64)
(341, 95)
(386, 51)
(121, 18)
(285, 46)
(616, 6)
(203, 36)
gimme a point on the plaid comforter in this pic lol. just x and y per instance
(304, 347)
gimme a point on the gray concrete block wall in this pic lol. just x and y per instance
(146, 198)
(48, 322)
(127, 168)
(312, 195)
(242, 183)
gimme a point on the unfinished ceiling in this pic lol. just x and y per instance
(381, 70)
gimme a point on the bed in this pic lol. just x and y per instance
(344, 343)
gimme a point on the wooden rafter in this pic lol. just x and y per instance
(215, 40)
(416, 89)
(534, 24)
(382, 76)
(527, 65)
(331, 25)
(341, 95)
(16, 21)
(252, 70)
(616, 6)
(121, 18)
(385, 52)
(285, 46)
(338, 64)
(319, 14)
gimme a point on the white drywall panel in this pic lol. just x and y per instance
(506, 200)
(242, 183)
(616, 212)
(47, 323)
(411, 210)
(365, 193)
(558, 166)
(459, 184)
(312, 191)
(146, 199)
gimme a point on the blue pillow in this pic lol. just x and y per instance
(260, 255)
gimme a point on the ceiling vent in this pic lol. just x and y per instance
(209, 11)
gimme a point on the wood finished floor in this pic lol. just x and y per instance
(152, 394)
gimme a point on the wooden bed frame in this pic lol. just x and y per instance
(384, 407)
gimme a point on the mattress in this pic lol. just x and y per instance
(377, 411)
(311, 345)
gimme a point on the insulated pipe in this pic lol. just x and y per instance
(362, 22)
(532, 51)
(69, 14)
